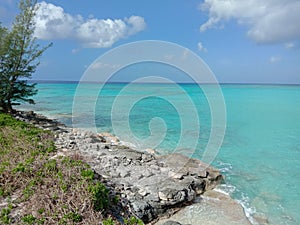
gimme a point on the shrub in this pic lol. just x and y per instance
(100, 195)
(108, 221)
(29, 219)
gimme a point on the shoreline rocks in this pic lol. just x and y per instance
(150, 186)
(211, 208)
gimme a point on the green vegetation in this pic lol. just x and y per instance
(29, 219)
(19, 54)
(108, 221)
(132, 221)
(4, 216)
(42, 188)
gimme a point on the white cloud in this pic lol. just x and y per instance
(274, 59)
(185, 53)
(289, 45)
(136, 24)
(75, 50)
(168, 57)
(201, 48)
(100, 65)
(269, 21)
(52, 22)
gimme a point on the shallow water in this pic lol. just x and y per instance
(214, 208)
(260, 154)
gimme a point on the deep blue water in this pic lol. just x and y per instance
(260, 153)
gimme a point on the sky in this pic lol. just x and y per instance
(242, 41)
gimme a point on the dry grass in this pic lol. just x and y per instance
(38, 189)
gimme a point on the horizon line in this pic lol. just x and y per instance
(126, 82)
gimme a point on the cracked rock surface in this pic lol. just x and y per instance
(150, 185)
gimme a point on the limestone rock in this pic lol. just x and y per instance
(211, 208)
(149, 185)
(171, 222)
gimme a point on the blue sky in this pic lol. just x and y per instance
(255, 41)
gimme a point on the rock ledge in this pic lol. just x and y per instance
(151, 186)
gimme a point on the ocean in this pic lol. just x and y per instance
(260, 152)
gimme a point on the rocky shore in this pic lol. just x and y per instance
(151, 186)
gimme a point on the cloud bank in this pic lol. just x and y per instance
(269, 21)
(52, 22)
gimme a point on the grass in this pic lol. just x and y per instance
(38, 188)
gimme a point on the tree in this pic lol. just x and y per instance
(3, 36)
(19, 54)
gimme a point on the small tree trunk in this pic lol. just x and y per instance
(9, 108)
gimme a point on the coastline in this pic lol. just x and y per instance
(228, 211)
(184, 183)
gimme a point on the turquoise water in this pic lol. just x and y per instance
(260, 154)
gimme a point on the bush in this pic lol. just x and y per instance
(100, 195)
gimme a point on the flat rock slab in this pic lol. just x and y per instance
(211, 208)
